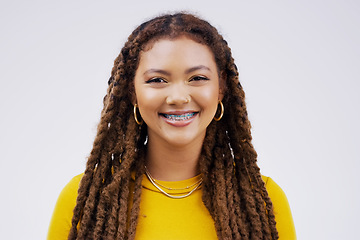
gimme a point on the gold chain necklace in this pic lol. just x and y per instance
(156, 184)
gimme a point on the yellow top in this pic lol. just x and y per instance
(161, 217)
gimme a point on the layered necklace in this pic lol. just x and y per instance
(160, 186)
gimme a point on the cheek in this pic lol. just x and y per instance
(146, 97)
(143, 93)
(149, 100)
(208, 98)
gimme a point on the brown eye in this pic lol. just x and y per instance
(199, 78)
(156, 80)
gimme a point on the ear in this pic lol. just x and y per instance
(132, 94)
(133, 98)
(222, 85)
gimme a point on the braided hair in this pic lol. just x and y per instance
(107, 205)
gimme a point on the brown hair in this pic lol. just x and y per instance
(233, 190)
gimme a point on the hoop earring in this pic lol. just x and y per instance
(221, 113)
(135, 115)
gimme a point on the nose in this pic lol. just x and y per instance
(178, 94)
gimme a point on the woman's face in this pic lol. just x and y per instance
(177, 91)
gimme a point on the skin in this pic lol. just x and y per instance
(177, 91)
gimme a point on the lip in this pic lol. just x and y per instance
(176, 121)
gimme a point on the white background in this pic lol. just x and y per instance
(299, 65)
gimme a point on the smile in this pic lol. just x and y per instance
(181, 117)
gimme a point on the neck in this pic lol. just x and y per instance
(173, 163)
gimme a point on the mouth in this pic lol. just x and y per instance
(179, 117)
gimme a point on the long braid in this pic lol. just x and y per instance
(232, 204)
(240, 215)
(134, 214)
(87, 178)
(105, 176)
(206, 166)
(105, 218)
(259, 192)
(245, 157)
(90, 183)
(96, 155)
(106, 196)
(220, 199)
(244, 181)
(269, 217)
(123, 201)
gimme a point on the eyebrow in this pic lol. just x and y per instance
(154, 70)
(200, 67)
(190, 70)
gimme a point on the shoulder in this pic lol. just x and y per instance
(282, 212)
(69, 193)
(60, 223)
(275, 192)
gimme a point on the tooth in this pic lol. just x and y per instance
(179, 117)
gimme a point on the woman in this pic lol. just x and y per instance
(173, 157)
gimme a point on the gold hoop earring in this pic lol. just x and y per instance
(221, 113)
(135, 115)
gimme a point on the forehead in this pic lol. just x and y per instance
(182, 50)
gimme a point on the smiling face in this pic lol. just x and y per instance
(177, 91)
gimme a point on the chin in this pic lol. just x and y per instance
(182, 141)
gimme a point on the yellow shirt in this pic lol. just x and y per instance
(162, 217)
